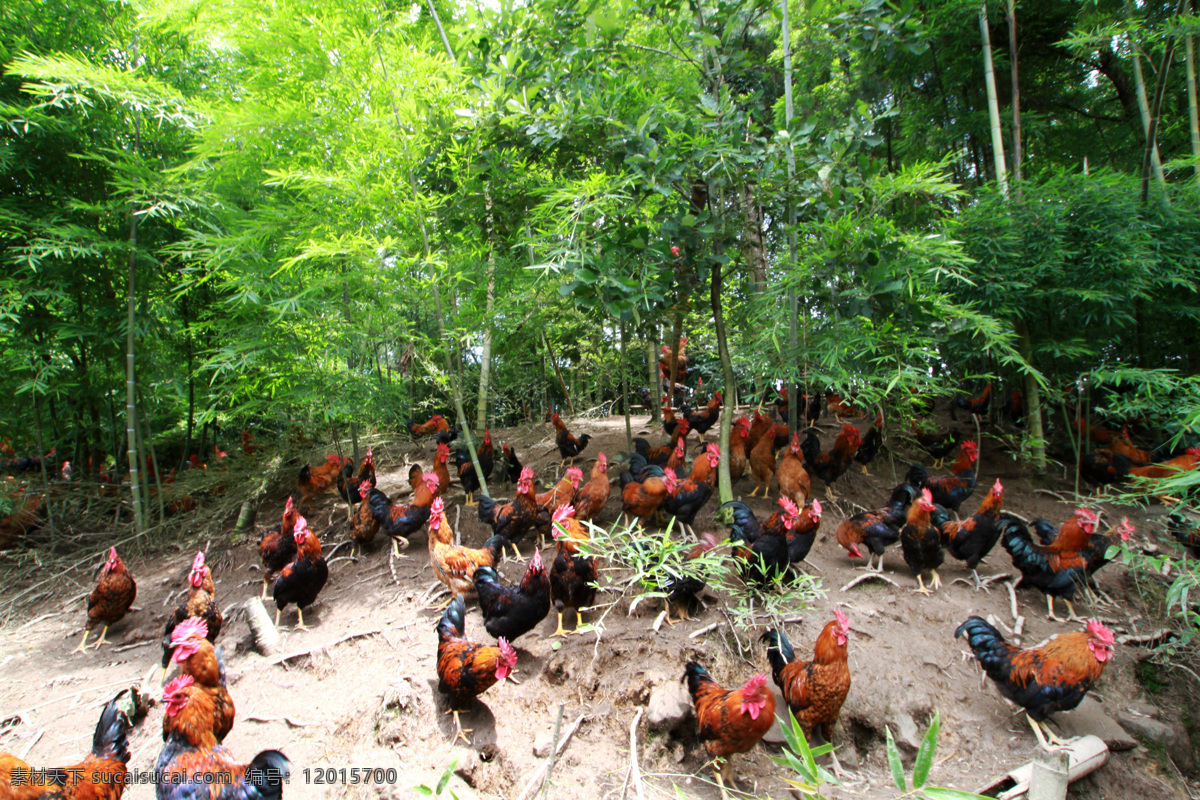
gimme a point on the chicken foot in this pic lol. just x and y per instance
(461, 731)
(1042, 731)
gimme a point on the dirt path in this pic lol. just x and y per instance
(371, 701)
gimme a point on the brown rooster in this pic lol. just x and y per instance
(455, 565)
(762, 463)
(111, 598)
(591, 498)
(730, 721)
(198, 660)
(465, 669)
(277, 547)
(514, 519)
(200, 603)
(793, 479)
(814, 690)
(314, 481)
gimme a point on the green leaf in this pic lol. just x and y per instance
(924, 759)
(942, 793)
(897, 768)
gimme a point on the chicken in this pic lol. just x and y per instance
(938, 445)
(642, 499)
(200, 603)
(249, 448)
(878, 528)
(801, 536)
(398, 520)
(197, 659)
(814, 690)
(561, 493)
(760, 426)
(1170, 468)
(684, 500)
(277, 547)
(659, 456)
(591, 498)
(871, 444)
(729, 721)
(435, 424)
(1123, 446)
(192, 765)
(682, 589)
(1042, 680)
(1096, 432)
(26, 516)
(440, 469)
(513, 519)
(669, 419)
(949, 490)
(466, 670)
(677, 463)
(572, 576)
(921, 543)
(467, 476)
(765, 554)
(568, 445)
(977, 406)
(682, 362)
(704, 468)
(302, 580)
(973, 538)
(510, 465)
(349, 486)
(102, 775)
(1186, 532)
(830, 466)
(1053, 568)
(110, 600)
(510, 611)
(455, 565)
(738, 449)
(700, 421)
(762, 463)
(315, 481)
(841, 407)
(1103, 467)
(793, 479)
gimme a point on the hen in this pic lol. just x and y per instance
(202, 663)
(302, 580)
(700, 421)
(572, 576)
(642, 499)
(876, 529)
(513, 519)
(591, 498)
(829, 466)
(192, 765)
(704, 468)
(200, 603)
(455, 565)
(102, 775)
(730, 721)
(465, 669)
(314, 481)
(1053, 568)
(111, 598)
(397, 520)
(973, 538)
(762, 463)
(684, 500)
(511, 611)
(921, 543)
(739, 449)
(949, 490)
(568, 445)
(561, 493)
(349, 487)
(440, 458)
(277, 547)
(793, 479)
(1042, 680)
(765, 554)
(814, 690)
(467, 476)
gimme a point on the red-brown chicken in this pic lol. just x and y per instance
(830, 466)
(277, 547)
(568, 445)
(465, 669)
(200, 603)
(561, 493)
(739, 449)
(793, 479)
(591, 498)
(1055, 568)
(973, 538)
(730, 721)
(110, 600)
(876, 529)
(197, 659)
(315, 481)
(704, 468)
(455, 565)
(921, 543)
(397, 520)
(814, 690)
(192, 765)
(347, 483)
(977, 406)
(26, 516)
(762, 463)
(302, 580)
(642, 499)
(1042, 680)
(949, 491)
(436, 424)
(102, 775)
(572, 576)
(440, 468)
(513, 519)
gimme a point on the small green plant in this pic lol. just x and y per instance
(808, 775)
(441, 784)
(921, 766)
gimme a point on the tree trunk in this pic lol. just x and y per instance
(1155, 113)
(792, 299)
(730, 380)
(1139, 82)
(485, 367)
(625, 391)
(558, 372)
(131, 426)
(989, 79)
(1016, 99)
(1033, 405)
(652, 367)
(1193, 116)
(676, 333)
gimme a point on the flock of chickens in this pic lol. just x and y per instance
(655, 482)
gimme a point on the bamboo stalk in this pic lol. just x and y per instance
(989, 79)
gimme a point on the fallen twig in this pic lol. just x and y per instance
(125, 647)
(36, 738)
(704, 630)
(1012, 600)
(290, 722)
(311, 650)
(662, 615)
(866, 577)
(635, 773)
(1148, 640)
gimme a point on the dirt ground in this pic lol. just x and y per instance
(365, 693)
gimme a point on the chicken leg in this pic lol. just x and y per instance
(925, 590)
(1043, 732)
(82, 648)
(462, 732)
(559, 631)
(104, 640)
(578, 622)
(300, 626)
(265, 584)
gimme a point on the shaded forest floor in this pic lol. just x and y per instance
(370, 700)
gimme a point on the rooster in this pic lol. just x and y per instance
(642, 499)
(976, 406)
(510, 464)
(572, 576)
(1185, 531)
(938, 445)
(793, 479)
(802, 535)
(455, 565)
(684, 500)
(568, 445)
(110, 600)
(200, 603)
(397, 520)
(921, 543)
(561, 493)
(510, 611)
(277, 547)
(762, 462)
(314, 481)
(700, 421)
(765, 546)
(973, 538)
(591, 498)
(830, 466)
(102, 775)
(730, 721)
(514, 519)
(465, 669)
(949, 490)
(871, 444)
(193, 765)
(876, 529)
(467, 476)
(440, 469)
(814, 690)
(347, 484)
(436, 424)
(302, 580)
(1046, 679)
(738, 449)
(197, 659)
(1054, 568)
